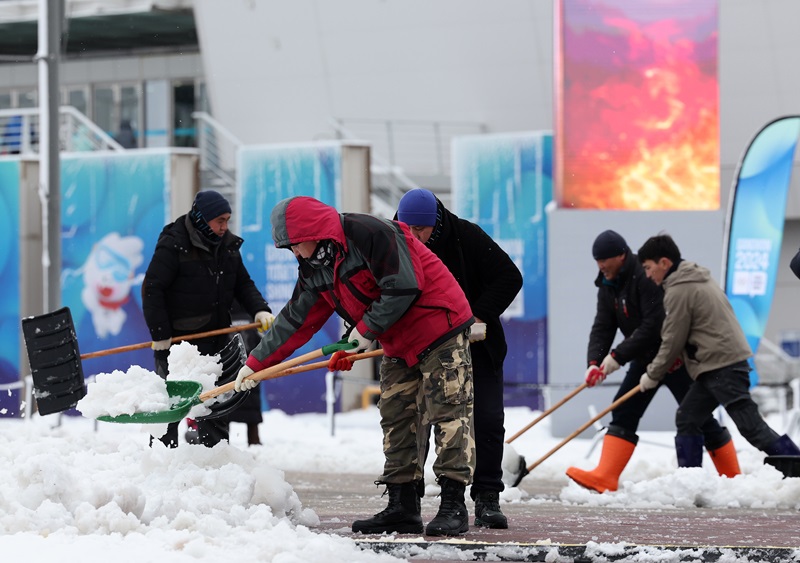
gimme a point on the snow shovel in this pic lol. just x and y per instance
(55, 358)
(600, 415)
(186, 394)
(233, 399)
(518, 470)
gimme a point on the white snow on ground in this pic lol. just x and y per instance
(92, 491)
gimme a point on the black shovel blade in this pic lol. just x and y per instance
(55, 361)
(232, 356)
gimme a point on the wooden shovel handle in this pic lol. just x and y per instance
(288, 367)
(322, 364)
(139, 346)
(613, 405)
(538, 419)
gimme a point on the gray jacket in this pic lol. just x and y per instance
(700, 325)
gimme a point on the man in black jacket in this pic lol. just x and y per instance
(490, 280)
(193, 278)
(628, 301)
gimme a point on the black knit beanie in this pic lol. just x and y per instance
(608, 244)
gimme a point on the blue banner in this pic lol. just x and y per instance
(113, 208)
(268, 174)
(503, 183)
(755, 225)
(9, 272)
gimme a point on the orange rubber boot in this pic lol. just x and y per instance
(725, 460)
(613, 458)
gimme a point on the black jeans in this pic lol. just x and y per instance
(489, 419)
(625, 418)
(729, 387)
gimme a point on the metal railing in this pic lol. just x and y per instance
(778, 384)
(417, 147)
(219, 149)
(19, 132)
(388, 182)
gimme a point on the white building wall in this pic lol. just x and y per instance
(294, 65)
(277, 71)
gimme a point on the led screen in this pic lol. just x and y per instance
(637, 105)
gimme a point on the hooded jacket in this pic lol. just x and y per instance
(633, 304)
(190, 284)
(383, 281)
(700, 324)
(488, 276)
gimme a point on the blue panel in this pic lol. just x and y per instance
(503, 183)
(112, 211)
(9, 272)
(269, 174)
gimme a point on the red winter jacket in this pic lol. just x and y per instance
(384, 281)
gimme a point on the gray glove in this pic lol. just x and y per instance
(243, 384)
(363, 343)
(477, 332)
(646, 383)
(266, 319)
(609, 364)
(161, 344)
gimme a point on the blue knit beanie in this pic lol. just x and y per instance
(211, 204)
(418, 208)
(608, 244)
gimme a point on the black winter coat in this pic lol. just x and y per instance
(488, 276)
(190, 284)
(632, 303)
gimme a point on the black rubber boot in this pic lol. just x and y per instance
(487, 511)
(401, 516)
(452, 518)
(689, 450)
(253, 439)
(783, 446)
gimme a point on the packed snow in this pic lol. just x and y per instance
(72, 488)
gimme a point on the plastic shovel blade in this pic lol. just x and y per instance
(183, 396)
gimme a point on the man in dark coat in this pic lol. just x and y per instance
(190, 285)
(490, 280)
(628, 301)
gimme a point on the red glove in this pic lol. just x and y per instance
(340, 361)
(676, 365)
(594, 375)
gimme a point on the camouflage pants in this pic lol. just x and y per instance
(436, 392)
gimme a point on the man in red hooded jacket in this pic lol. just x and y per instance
(387, 286)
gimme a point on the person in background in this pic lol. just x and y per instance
(629, 302)
(794, 265)
(701, 325)
(387, 287)
(194, 276)
(126, 136)
(490, 280)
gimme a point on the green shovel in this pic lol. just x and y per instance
(186, 394)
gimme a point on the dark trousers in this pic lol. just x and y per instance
(212, 431)
(625, 418)
(729, 387)
(489, 419)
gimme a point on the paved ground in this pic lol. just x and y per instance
(556, 533)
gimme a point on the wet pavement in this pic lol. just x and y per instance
(555, 532)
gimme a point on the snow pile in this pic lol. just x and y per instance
(140, 390)
(116, 393)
